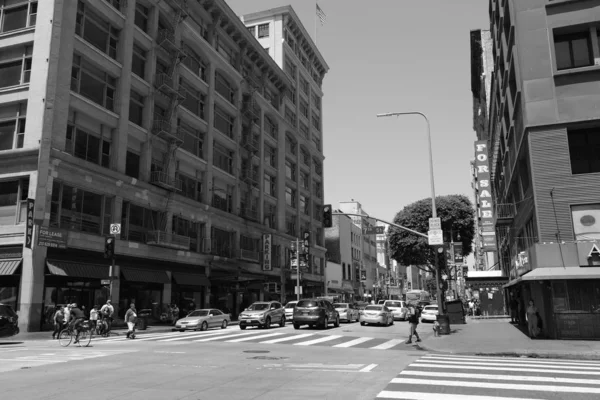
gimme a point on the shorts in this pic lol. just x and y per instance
(131, 326)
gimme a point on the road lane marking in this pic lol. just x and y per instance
(493, 385)
(509, 360)
(354, 342)
(228, 336)
(368, 368)
(386, 394)
(388, 345)
(502, 377)
(320, 340)
(197, 335)
(553, 370)
(285, 339)
(256, 337)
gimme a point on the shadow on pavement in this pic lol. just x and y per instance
(9, 343)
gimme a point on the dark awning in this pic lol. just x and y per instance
(8, 267)
(77, 270)
(184, 278)
(145, 275)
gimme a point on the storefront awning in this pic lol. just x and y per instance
(540, 274)
(77, 270)
(8, 267)
(145, 275)
(184, 278)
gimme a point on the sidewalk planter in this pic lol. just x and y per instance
(444, 321)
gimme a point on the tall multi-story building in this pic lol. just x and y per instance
(543, 130)
(168, 118)
(393, 273)
(340, 273)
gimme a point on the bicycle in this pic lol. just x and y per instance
(102, 328)
(83, 337)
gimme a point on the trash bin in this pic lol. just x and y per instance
(455, 312)
(444, 321)
(142, 319)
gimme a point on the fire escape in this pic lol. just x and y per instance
(162, 128)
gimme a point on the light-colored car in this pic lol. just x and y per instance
(263, 314)
(347, 312)
(376, 314)
(398, 308)
(429, 313)
(203, 319)
(289, 310)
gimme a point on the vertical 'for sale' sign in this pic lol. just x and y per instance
(484, 195)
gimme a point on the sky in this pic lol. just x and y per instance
(392, 56)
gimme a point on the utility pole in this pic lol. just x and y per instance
(296, 249)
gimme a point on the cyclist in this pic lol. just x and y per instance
(77, 318)
(107, 312)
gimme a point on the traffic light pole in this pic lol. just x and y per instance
(298, 269)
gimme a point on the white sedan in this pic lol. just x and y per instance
(429, 313)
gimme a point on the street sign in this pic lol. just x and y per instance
(115, 229)
(105, 282)
(436, 237)
(374, 230)
(435, 224)
(53, 237)
(298, 290)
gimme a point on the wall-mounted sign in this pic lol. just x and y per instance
(483, 199)
(363, 275)
(53, 237)
(267, 253)
(29, 231)
(458, 254)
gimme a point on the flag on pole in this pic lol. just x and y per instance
(321, 15)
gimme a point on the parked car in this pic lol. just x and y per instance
(263, 314)
(313, 312)
(429, 313)
(347, 312)
(9, 321)
(376, 314)
(380, 302)
(398, 308)
(289, 310)
(203, 319)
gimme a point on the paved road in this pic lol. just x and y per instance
(452, 377)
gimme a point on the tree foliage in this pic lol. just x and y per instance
(456, 213)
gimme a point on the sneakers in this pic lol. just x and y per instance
(409, 342)
(418, 339)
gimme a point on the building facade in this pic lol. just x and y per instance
(392, 281)
(340, 275)
(173, 123)
(543, 126)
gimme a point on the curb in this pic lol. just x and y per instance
(524, 354)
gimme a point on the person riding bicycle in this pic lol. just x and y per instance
(77, 318)
(107, 312)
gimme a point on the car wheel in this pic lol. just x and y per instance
(362, 323)
(296, 326)
(224, 324)
(268, 323)
(325, 323)
(204, 326)
(242, 327)
(336, 323)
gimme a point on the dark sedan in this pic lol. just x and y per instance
(9, 321)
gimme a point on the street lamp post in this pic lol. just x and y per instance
(438, 280)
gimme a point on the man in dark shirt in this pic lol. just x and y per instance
(514, 309)
(77, 318)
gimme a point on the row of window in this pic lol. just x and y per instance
(17, 14)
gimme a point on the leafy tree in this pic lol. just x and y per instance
(456, 213)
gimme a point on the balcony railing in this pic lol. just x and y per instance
(249, 255)
(164, 83)
(250, 143)
(163, 129)
(162, 179)
(166, 39)
(166, 239)
(505, 213)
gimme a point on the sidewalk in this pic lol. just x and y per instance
(26, 336)
(498, 337)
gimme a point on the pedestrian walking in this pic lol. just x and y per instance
(532, 320)
(130, 319)
(67, 313)
(514, 309)
(413, 321)
(94, 318)
(471, 307)
(175, 312)
(59, 322)
(107, 311)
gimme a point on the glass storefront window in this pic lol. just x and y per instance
(8, 295)
(576, 296)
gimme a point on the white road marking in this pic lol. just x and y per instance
(389, 344)
(505, 359)
(553, 370)
(320, 340)
(511, 364)
(256, 337)
(285, 339)
(353, 342)
(222, 336)
(368, 368)
(197, 335)
(492, 385)
(325, 366)
(502, 377)
(386, 394)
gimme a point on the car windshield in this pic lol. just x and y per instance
(198, 313)
(340, 305)
(259, 307)
(374, 308)
(393, 304)
(307, 303)
(290, 305)
(6, 310)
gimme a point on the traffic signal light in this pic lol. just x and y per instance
(109, 247)
(327, 222)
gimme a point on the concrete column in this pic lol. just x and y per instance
(167, 290)
(281, 207)
(261, 171)
(206, 297)
(209, 117)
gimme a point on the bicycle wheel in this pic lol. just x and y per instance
(65, 338)
(85, 337)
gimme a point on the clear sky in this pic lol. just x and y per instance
(392, 56)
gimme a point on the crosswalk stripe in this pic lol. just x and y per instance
(389, 344)
(286, 339)
(502, 377)
(320, 340)
(509, 364)
(222, 336)
(493, 385)
(505, 359)
(354, 342)
(386, 394)
(197, 335)
(552, 370)
(255, 337)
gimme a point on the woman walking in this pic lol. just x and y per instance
(532, 319)
(130, 318)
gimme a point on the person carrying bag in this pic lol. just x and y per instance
(130, 319)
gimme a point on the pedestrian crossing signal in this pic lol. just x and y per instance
(109, 247)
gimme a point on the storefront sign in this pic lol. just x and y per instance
(267, 253)
(484, 195)
(588, 253)
(53, 237)
(29, 231)
(363, 275)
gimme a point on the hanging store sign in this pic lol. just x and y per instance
(484, 200)
(53, 237)
(29, 231)
(267, 253)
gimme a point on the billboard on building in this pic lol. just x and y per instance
(485, 205)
